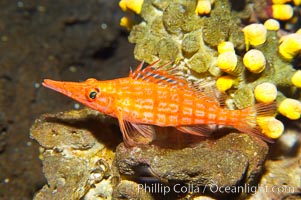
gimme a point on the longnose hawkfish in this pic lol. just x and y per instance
(152, 96)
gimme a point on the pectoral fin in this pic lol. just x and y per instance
(134, 134)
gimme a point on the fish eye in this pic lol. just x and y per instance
(92, 95)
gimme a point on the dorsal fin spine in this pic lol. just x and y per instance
(171, 78)
(156, 75)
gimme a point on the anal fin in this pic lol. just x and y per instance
(198, 130)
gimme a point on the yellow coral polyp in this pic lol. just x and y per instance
(271, 127)
(254, 61)
(280, 1)
(133, 5)
(265, 92)
(227, 61)
(290, 46)
(225, 47)
(224, 83)
(272, 25)
(296, 78)
(290, 108)
(255, 34)
(203, 7)
(297, 2)
(126, 22)
(282, 11)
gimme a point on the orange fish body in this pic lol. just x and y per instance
(149, 103)
(155, 97)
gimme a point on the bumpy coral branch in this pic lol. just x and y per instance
(251, 62)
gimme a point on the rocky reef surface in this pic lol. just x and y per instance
(78, 158)
(83, 159)
(77, 154)
(211, 164)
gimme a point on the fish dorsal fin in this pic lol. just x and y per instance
(174, 78)
(206, 89)
(157, 75)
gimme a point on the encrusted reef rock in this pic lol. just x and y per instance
(77, 154)
(281, 181)
(233, 160)
(80, 162)
(130, 190)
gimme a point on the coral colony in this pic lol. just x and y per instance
(250, 61)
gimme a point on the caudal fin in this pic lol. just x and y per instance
(248, 122)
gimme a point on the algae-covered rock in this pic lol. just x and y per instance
(229, 161)
(78, 157)
(131, 190)
(282, 181)
(283, 169)
(77, 154)
(66, 177)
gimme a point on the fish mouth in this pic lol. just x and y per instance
(58, 86)
(51, 84)
(74, 90)
(71, 89)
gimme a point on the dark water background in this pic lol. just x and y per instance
(61, 40)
